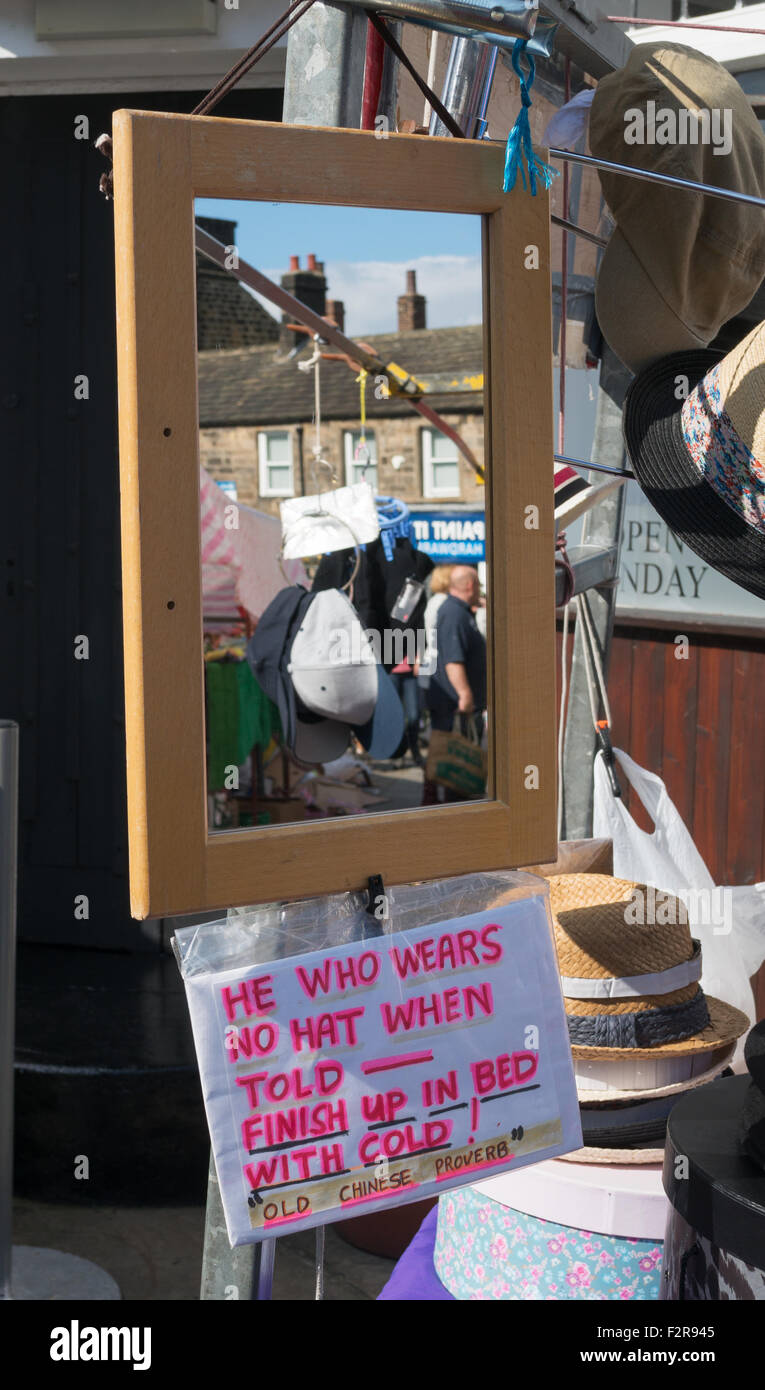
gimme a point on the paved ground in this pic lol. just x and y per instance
(156, 1252)
(400, 785)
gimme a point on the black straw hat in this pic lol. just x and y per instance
(699, 455)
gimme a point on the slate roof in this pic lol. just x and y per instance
(251, 386)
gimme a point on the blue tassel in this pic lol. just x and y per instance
(519, 140)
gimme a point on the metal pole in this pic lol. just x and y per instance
(603, 529)
(669, 180)
(324, 76)
(513, 19)
(9, 817)
(389, 88)
(729, 195)
(245, 1273)
(594, 467)
(467, 87)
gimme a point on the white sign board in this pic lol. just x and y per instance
(660, 577)
(385, 1071)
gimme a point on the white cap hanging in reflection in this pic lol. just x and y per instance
(328, 521)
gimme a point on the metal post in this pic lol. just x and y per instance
(387, 103)
(602, 529)
(245, 1273)
(9, 800)
(467, 87)
(324, 77)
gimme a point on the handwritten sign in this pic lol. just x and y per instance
(384, 1071)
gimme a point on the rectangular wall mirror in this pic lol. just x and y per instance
(337, 542)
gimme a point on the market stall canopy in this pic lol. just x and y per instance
(240, 562)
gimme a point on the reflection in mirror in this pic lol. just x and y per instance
(342, 529)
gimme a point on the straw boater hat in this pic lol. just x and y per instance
(701, 461)
(632, 992)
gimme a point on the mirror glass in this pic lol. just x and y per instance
(345, 592)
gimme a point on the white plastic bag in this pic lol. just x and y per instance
(728, 921)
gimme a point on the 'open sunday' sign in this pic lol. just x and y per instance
(385, 1071)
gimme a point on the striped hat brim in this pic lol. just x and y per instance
(726, 1024)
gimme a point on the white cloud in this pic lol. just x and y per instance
(369, 289)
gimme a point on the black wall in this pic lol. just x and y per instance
(59, 512)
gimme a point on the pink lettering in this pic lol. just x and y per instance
(254, 995)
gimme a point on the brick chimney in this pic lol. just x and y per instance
(220, 228)
(310, 287)
(411, 306)
(227, 315)
(336, 312)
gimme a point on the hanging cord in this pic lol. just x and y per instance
(563, 295)
(314, 361)
(562, 562)
(317, 458)
(562, 712)
(361, 452)
(519, 140)
(596, 686)
(395, 47)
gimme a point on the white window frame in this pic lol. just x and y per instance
(264, 463)
(348, 447)
(429, 488)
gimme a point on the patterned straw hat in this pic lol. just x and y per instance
(632, 987)
(701, 460)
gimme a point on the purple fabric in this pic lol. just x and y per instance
(414, 1277)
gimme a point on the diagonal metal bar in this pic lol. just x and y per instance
(248, 275)
(577, 230)
(399, 383)
(598, 467)
(681, 24)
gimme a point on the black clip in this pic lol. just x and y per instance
(607, 748)
(376, 892)
(377, 899)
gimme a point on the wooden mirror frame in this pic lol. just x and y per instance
(161, 164)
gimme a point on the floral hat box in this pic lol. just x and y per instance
(555, 1231)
